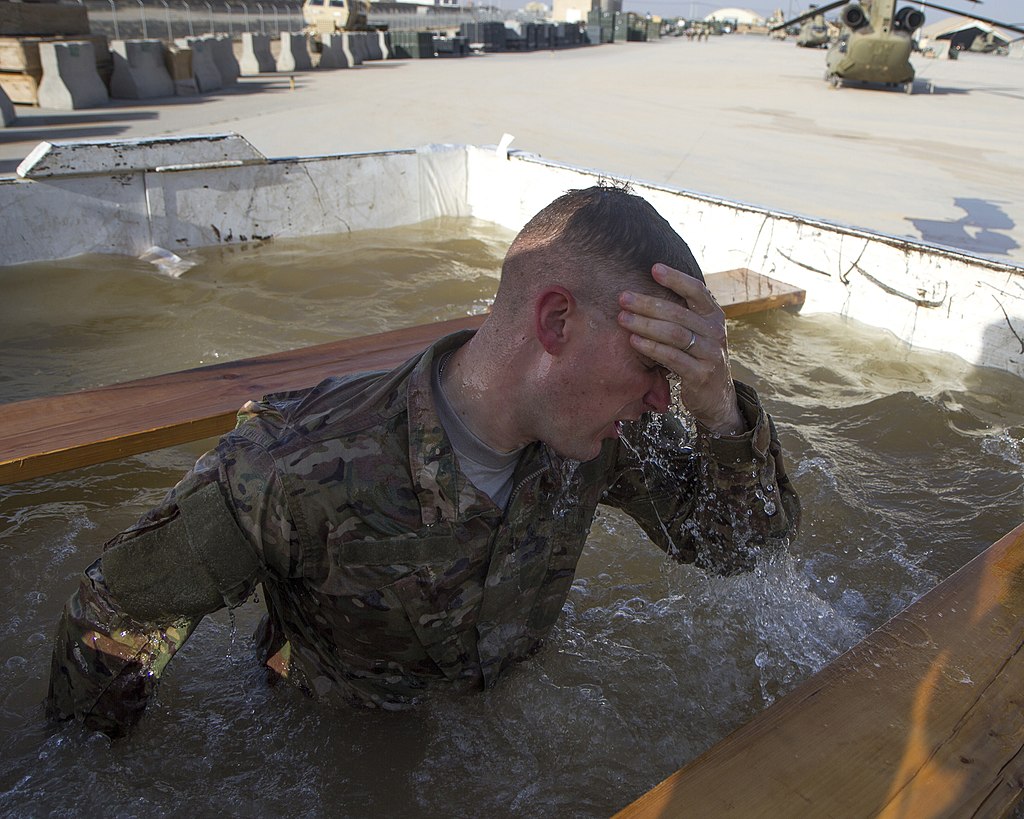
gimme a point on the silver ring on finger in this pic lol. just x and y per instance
(693, 340)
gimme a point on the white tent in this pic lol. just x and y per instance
(742, 17)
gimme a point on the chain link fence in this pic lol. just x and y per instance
(170, 19)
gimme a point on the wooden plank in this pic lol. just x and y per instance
(21, 69)
(47, 435)
(924, 718)
(17, 54)
(21, 89)
(742, 291)
(21, 54)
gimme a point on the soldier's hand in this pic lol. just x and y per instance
(688, 339)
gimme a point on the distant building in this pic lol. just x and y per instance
(965, 34)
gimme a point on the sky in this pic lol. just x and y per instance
(1010, 11)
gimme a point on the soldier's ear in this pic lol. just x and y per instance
(553, 311)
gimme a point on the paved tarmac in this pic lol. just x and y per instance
(741, 117)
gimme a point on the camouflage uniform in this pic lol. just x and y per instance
(385, 572)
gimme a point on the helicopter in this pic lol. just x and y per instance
(876, 41)
(814, 31)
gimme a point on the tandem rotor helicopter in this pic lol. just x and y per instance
(876, 40)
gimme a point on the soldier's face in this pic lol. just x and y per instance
(605, 382)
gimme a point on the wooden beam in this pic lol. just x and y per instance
(47, 435)
(742, 291)
(924, 718)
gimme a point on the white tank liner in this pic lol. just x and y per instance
(179, 193)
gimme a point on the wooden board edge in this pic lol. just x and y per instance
(667, 800)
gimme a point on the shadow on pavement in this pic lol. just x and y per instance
(977, 231)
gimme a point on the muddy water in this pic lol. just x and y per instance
(908, 464)
(100, 319)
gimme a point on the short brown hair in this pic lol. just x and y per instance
(596, 242)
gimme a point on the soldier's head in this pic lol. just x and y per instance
(557, 304)
(594, 242)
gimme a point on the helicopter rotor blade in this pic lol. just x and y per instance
(812, 13)
(971, 16)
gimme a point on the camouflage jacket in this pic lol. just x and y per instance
(385, 572)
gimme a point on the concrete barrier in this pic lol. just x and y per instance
(354, 47)
(204, 66)
(372, 42)
(294, 54)
(224, 57)
(256, 56)
(332, 54)
(70, 79)
(7, 115)
(139, 70)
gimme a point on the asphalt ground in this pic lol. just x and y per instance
(741, 117)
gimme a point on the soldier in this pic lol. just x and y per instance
(421, 527)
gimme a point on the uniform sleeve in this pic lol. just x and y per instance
(204, 547)
(719, 502)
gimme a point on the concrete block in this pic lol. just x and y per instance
(204, 66)
(294, 54)
(256, 55)
(7, 115)
(139, 70)
(224, 57)
(332, 54)
(70, 79)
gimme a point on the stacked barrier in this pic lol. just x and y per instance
(332, 51)
(354, 47)
(224, 56)
(139, 70)
(70, 79)
(371, 45)
(294, 54)
(204, 66)
(256, 55)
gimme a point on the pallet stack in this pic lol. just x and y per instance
(23, 26)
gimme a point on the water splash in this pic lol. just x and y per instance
(568, 498)
(1006, 445)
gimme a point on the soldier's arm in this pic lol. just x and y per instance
(139, 602)
(720, 502)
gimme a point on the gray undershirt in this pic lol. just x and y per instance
(488, 470)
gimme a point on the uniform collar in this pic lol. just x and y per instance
(445, 494)
(439, 485)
